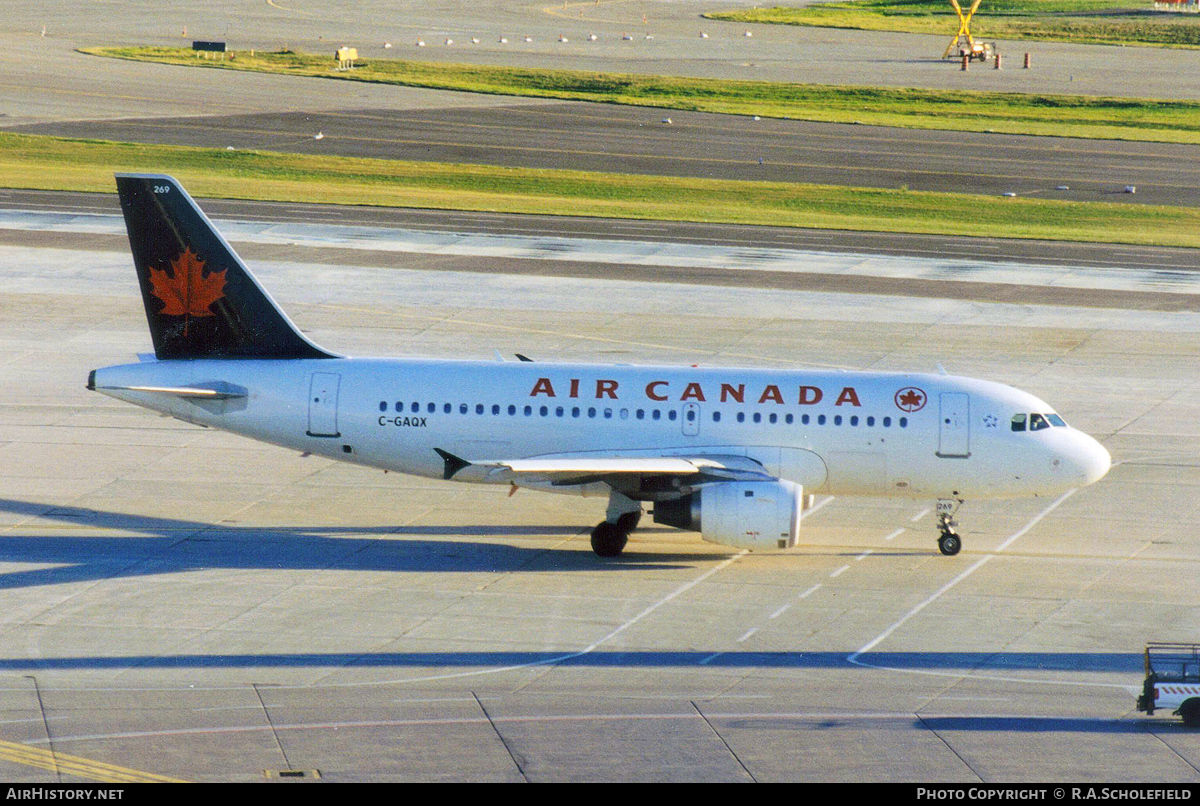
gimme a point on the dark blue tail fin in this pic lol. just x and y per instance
(201, 301)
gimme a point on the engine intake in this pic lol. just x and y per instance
(741, 514)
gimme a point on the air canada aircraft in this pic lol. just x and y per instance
(735, 454)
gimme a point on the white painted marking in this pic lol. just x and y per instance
(919, 515)
(557, 658)
(895, 534)
(864, 555)
(840, 571)
(711, 657)
(815, 507)
(747, 634)
(942, 590)
(804, 595)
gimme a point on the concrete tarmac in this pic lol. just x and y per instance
(582, 136)
(54, 89)
(1017, 250)
(667, 42)
(186, 604)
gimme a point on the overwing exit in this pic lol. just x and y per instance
(735, 454)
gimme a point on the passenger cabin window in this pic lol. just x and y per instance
(1018, 422)
(1037, 422)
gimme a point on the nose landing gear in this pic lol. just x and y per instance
(949, 543)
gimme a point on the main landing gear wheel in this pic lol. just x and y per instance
(949, 544)
(609, 539)
(629, 521)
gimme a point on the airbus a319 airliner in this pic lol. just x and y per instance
(735, 454)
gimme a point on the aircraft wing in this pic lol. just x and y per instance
(618, 471)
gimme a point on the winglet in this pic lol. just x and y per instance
(453, 463)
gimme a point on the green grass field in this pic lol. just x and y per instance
(1012, 113)
(28, 161)
(1100, 22)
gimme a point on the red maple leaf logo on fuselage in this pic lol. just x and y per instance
(187, 291)
(910, 399)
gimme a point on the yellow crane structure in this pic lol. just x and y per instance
(971, 49)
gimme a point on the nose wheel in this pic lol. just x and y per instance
(949, 543)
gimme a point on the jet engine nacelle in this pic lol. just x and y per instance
(742, 514)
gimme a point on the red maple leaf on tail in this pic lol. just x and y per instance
(187, 291)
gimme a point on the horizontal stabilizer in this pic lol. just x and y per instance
(182, 391)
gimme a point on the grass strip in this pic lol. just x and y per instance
(1012, 113)
(1094, 22)
(53, 163)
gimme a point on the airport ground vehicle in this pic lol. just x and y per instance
(1172, 681)
(977, 51)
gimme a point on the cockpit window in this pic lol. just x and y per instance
(1055, 420)
(1018, 422)
(1037, 422)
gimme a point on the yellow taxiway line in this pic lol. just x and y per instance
(78, 767)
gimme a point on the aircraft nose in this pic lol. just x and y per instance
(1091, 459)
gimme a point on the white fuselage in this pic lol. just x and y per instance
(835, 433)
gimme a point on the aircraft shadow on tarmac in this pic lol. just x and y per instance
(170, 545)
(974, 724)
(176, 546)
(1050, 724)
(956, 663)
